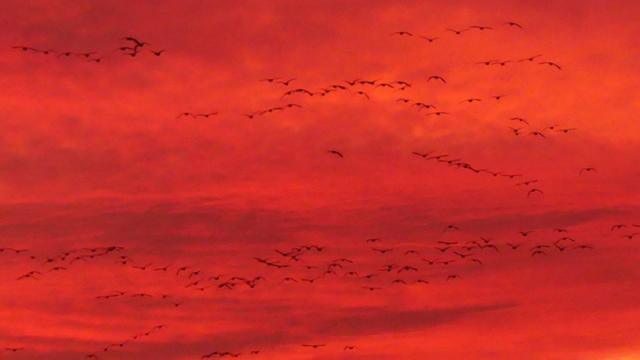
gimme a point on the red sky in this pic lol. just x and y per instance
(94, 156)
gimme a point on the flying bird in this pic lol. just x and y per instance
(336, 153)
(481, 28)
(402, 33)
(362, 93)
(533, 191)
(138, 43)
(429, 39)
(550, 63)
(457, 32)
(437, 77)
(286, 82)
(530, 58)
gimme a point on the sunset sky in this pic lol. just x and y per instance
(95, 154)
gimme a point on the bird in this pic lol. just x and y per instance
(336, 153)
(436, 77)
(566, 238)
(530, 58)
(298, 91)
(486, 62)
(451, 227)
(422, 155)
(24, 48)
(527, 183)
(501, 62)
(157, 52)
(315, 346)
(185, 114)
(286, 82)
(448, 242)
(540, 247)
(513, 24)
(429, 39)
(407, 268)
(513, 246)
(457, 32)
(362, 93)
(533, 191)
(352, 82)
(461, 254)
(136, 41)
(430, 262)
(471, 100)
(481, 28)
(618, 227)
(489, 246)
(516, 131)
(588, 169)
(206, 115)
(439, 113)
(519, 119)
(550, 63)
(402, 33)
(566, 131)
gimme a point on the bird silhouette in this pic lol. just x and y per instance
(437, 77)
(337, 153)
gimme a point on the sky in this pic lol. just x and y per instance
(108, 192)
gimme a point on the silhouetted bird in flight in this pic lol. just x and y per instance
(437, 77)
(458, 32)
(587, 169)
(402, 33)
(550, 63)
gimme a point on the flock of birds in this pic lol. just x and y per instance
(389, 266)
(392, 266)
(132, 47)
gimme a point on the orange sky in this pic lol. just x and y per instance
(94, 156)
